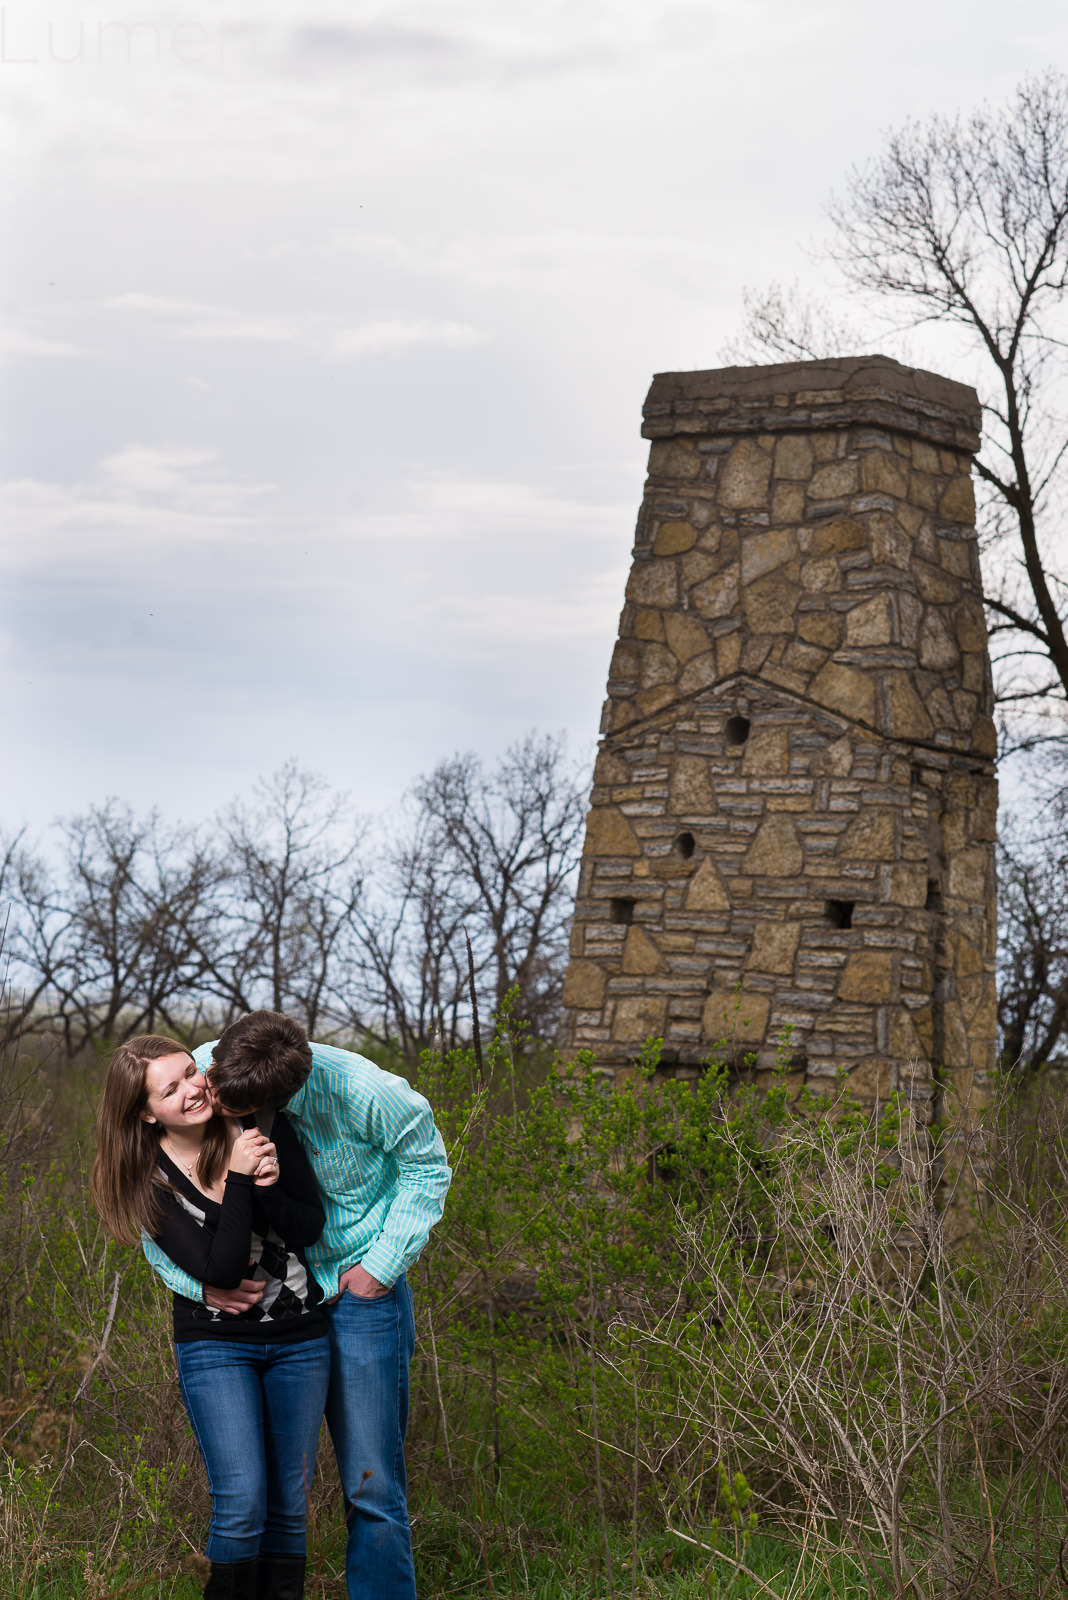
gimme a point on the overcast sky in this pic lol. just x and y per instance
(325, 331)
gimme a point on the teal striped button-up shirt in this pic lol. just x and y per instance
(379, 1162)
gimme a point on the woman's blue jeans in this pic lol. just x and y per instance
(256, 1411)
(367, 1411)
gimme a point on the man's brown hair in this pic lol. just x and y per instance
(260, 1060)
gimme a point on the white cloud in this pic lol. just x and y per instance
(323, 334)
(20, 340)
(394, 336)
(194, 320)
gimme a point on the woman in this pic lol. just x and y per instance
(227, 1203)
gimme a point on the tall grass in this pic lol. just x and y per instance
(673, 1340)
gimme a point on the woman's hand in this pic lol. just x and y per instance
(267, 1171)
(248, 1150)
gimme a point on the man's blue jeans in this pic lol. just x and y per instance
(256, 1410)
(371, 1344)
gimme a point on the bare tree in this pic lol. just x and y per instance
(513, 839)
(289, 895)
(964, 221)
(281, 902)
(1033, 950)
(487, 855)
(107, 942)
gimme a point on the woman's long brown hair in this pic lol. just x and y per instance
(126, 1177)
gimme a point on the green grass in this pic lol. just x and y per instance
(525, 1562)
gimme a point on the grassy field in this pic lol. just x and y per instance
(727, 1335)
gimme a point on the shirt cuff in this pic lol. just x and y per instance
(382, 1263)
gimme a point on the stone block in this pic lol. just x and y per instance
(907, 716)
(821, 576)
(610, 768)
(834, 481)
(837, 758)
(729, 1018)
(793, 456)
(653, 583)
(776, 850)
(767, 753)
(958, 502)
(775, 947)
(845, 690)
(907, 884)
(659, 665)
(641, 957)
(698, 674)
(967, 875)
(674, 458)
(823, 628)
(770, 604)
(695, 566)
(937, 647)
(706, 891)
(764, 551)
(938, 588)
(870, 837)
(970, 623)
(868, 977)
(639, 1017)
(717, 596)
(728, 653)
(608, 833)
(743, 483)
(691, 792)
(787, 503)
(650, 701)
(883, 473)
(871, 1080)
(891, 546)
(871, 623)
(923, 490)
(625, 663)
(840, 536)
(985, 736)
(649, 625)
(675, 537)
(686, 636)
(904, 1039)
(584, 985)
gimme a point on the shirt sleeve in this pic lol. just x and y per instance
(177, 1281)
(220, 1257)
(399, 1121)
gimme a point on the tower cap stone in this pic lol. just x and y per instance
(800, 396)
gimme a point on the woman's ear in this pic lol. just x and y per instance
(146, 1116)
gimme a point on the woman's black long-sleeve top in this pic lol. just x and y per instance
(252, 1232)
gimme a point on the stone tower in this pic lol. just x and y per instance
(794, 793)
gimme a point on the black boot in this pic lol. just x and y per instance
(233, 1580)
(281, 1578)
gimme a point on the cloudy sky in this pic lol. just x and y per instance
(324, 334)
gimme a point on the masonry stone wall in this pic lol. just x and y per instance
(794, 791)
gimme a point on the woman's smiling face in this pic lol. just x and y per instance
(176, 1094)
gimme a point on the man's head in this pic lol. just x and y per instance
(260, 1060)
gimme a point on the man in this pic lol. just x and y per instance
(381, 1167)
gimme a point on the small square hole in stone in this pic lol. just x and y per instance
(685, 845)
(840, 913)
(737, 730)
(934, 895)
(621, 911)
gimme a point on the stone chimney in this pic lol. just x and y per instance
(791, 835)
